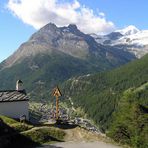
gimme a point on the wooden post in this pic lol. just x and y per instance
(57, 94)
(57, 107)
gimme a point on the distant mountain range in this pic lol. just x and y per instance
(54, 54)
(128, 39)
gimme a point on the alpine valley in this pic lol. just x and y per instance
(54, 54)
(105, 75)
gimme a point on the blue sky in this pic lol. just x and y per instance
(19, 22)
(122, 12)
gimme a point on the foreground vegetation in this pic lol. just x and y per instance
(16, 134)
(130, 121)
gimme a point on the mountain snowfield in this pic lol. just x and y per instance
(128, 30)
(130, 39)
(133, 36)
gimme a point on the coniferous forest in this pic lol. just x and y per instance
(116, 100)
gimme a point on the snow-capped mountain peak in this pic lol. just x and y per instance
(129, 39)
(130, 30)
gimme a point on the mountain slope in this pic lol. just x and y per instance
(130, 121)
(100, 94)
(53, 55)
(44, 71)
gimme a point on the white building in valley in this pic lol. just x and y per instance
(14, 103)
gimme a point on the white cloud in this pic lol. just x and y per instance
(38, 13)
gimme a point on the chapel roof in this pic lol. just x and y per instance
(13, 96)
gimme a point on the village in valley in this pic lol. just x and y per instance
(16, 104)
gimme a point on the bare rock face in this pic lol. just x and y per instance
(49, 38)
(68, 40)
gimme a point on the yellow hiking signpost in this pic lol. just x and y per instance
(56, 93)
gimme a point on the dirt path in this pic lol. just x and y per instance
(79, 134)
(34, 128)
(95, 144)
(80, 138)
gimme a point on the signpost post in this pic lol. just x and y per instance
(57, 94)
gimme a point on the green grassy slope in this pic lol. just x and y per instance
(10, 137)
(43, 72)
(16, 134)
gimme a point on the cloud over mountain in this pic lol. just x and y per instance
(37, 13)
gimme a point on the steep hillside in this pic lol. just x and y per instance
(44, 72)
(16, 134)
(130, 121)
(100, 94)
(54, 54)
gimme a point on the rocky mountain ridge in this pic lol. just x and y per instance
(68, 40)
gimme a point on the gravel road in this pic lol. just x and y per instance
(97, 144)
